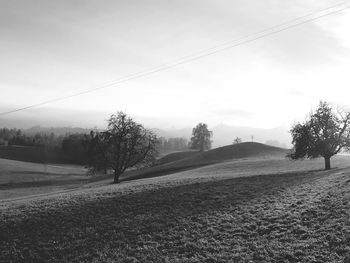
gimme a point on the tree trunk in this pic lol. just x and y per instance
(327, 163)
(201, 146)
(116, 177)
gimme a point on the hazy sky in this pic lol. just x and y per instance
(54, 48)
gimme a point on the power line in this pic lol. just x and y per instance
(201, 54)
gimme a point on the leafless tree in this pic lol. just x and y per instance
(127, 144)
(324, 134)
(237, 140)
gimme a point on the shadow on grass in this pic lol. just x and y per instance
(159, 171)
(149, 225)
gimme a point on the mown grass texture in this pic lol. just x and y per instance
(286, 217)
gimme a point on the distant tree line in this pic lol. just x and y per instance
(7, 134)
(122, 145)
(175, 143)
(76, 147)
(19, 138)
(69, 148)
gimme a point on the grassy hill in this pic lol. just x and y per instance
(175, 156)
(285, 213)
(242, 150)
(24, 178)
(181, 161)
(235, 151)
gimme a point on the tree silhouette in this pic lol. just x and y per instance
(201, 136)
(96, 152)
(324, 134)
(124, 144)
(237, 140)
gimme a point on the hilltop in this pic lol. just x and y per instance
(235, 151)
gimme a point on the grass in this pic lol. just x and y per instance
(227, 212)
(18, 171)
(175, 156)
(24, 178)
(188, 160)
(36, 154)
(229, 152)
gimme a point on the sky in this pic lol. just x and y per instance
(50, 49)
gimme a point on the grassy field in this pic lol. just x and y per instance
(253, 210)
(19, 179)
(35, 154)
(229, 152)
(188, 160)
(24, 178)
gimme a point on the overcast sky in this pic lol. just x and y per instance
(54, 48)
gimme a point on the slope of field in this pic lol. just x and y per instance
(24, 178)
(234, 151)
(242, 150)
(37, 155)
(204, 215)
(188, 160)
(175, 156)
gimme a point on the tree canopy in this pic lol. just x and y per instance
(201, 136)
(324, 134)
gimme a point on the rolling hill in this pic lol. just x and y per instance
(242, 150)
(191, 159)
(175, 156)
(255, 210)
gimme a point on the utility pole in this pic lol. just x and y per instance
(252, 139)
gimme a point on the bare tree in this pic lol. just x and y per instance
(324, 134)
(127, 144)
(237, 140)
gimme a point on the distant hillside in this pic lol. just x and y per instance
(187, 160)
(235, 151)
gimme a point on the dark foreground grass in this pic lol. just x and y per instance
(295, 217)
